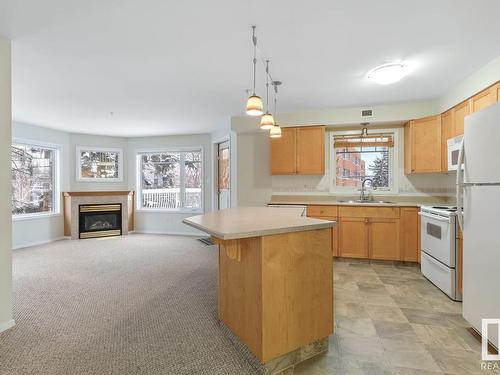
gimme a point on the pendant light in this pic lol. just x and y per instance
(275, 131)
(267, 120)
(254, 102)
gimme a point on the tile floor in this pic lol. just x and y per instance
(391, 320)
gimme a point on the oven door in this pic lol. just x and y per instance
(453, 151)
(437, 237)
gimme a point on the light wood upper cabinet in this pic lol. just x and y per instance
(283, 151)
(423, 145)
(300, 150)
(410, 234)
(311, 150)
(484, 98)
(383, 239)
(447, 131)
(459, 113)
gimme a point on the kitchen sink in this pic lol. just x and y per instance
(358, 201)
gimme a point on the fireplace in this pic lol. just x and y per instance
(100, 220)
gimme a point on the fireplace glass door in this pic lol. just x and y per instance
(100, 220)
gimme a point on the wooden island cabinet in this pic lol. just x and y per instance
(275, 288)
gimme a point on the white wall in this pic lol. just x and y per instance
(96, 141)
(6, 318)
(484, 77)
(170, 223)
(254, 183)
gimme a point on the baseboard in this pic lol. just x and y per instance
(171, 233)
(8, 324)
(38, 243)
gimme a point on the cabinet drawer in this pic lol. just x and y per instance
(357, 211)
(321, 211)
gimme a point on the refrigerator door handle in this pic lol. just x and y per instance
(460, 181)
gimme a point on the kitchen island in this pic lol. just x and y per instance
(275, 281)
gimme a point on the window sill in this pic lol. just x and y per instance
(168, 211)
(35, 216)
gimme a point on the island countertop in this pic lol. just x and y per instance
(245, 222)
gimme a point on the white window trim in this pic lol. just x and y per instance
(393, 172)
(140, 151)
(57, 180)
(79, 176)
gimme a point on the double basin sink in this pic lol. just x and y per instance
(359, 201)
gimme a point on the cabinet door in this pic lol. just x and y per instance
(283, 152)
(483, 99)
(459, 113)
(426, 145)
(408, 147)
(353, 237)
(335, 233)
(447, 131)
(311, 150)
(383, 239)
(410, 234)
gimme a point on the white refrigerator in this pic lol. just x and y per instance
(478, 192)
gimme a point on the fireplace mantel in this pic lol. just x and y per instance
(73, 199)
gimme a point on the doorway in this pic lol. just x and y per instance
(223, 176)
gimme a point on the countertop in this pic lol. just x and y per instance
(396, 201)
(244, 222)
(337, 203)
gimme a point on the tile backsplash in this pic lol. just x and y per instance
(428, 184)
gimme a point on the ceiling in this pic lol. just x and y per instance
(148, 67)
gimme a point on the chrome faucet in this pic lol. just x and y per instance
(362, 194)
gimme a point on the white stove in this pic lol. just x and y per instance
(438, 240)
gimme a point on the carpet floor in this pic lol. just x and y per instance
(140, 304)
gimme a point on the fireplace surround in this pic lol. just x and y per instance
(99, 224)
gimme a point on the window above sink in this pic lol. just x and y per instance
(354, 157)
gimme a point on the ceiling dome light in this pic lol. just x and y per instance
(275, 132)
(267, 122)
(388, 73)
(254, 106)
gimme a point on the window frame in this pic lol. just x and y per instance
(393, 159)
(80, 178)
(56, 182)
(138, 184)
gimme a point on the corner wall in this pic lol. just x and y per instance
(6, 317)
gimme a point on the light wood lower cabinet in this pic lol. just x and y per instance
(383, 239)
(327, 213)
(410, 234)
(353, 237)
(382, 233)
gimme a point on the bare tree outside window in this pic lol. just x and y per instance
(171, 180)
(33, 179)
(371, 162)
(96, 164)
